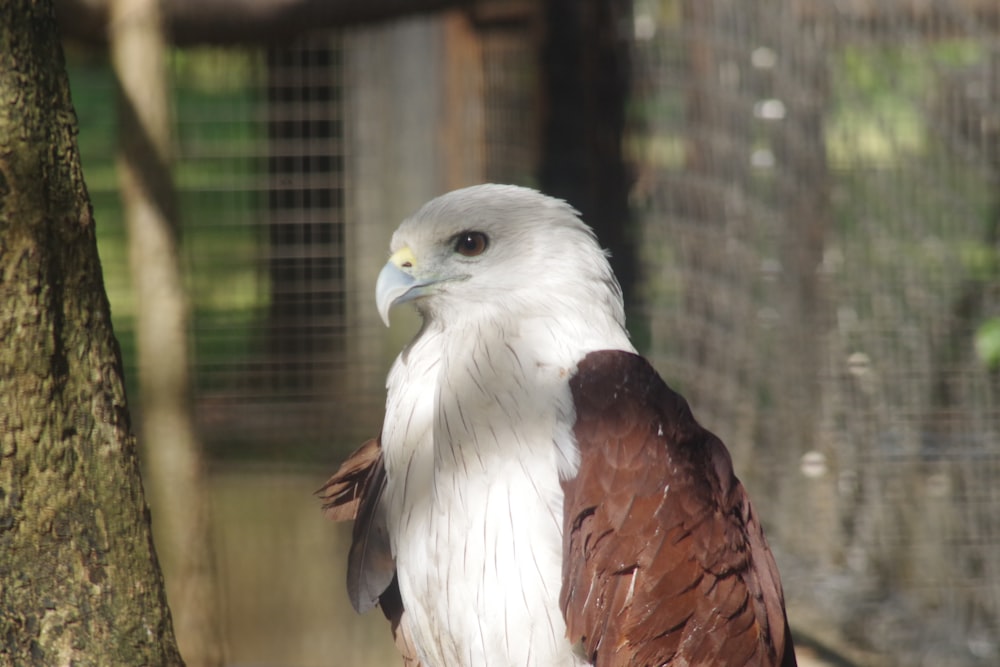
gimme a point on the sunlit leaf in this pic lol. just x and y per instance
(988, 342)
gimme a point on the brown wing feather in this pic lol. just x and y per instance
(342, 493)
(353, 494)
(664, 561)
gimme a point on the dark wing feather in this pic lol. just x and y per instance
(370, 565)
(354, 494)
(664, 561)
(392, 607)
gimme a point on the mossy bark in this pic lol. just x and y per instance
(79, 579)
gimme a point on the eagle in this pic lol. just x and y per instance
(538, 495)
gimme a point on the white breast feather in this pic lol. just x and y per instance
(478, 431)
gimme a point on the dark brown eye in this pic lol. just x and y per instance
(471, 244)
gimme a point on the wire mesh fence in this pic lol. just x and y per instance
(821, 210)
(815, 198)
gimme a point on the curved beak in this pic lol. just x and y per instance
(396, 283)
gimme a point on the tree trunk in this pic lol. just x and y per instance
(802, 190)
(585, 81)
(708, 200)
(171, 449)
(80, 580)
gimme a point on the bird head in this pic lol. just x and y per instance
(496, 249)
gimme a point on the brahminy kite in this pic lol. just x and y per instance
(538, 495)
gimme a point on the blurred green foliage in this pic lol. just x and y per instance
(988, 343)
(881, 94)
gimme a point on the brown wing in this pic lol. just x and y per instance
(664, 561)
(353, 494)
(342, 493)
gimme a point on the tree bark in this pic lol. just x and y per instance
(171, 449)
(80, 580)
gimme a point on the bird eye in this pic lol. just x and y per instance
(471, 244)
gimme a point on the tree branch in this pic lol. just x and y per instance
(243, 21)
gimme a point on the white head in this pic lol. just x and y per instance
(497, 251)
